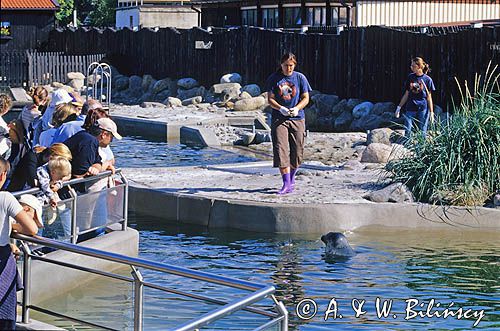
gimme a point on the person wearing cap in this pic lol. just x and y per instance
(99, 213)
(58, 96)
(33, 207)
(10, 207)
(91, 110)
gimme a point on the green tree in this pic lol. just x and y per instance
(65, 13)
(103, 13)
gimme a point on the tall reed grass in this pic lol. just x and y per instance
(458, 163)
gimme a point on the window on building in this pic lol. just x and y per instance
(316, 16)
(249, 17)
(339, 16)
(292, 17)
(270, 17)
(131, 22)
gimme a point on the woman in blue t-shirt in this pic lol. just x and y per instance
(417, 97)
(288, 94)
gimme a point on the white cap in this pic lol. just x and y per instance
(108, 125)
(33, 202)
(60, 96)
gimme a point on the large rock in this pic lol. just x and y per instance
(192, 101)
(226, 91)
(159, 97)
(172, 102)
(381, 136)
(252, 89)
(496, 200)
(383, 107)
(191, 93)
(147, 81)
(161, 85)
(396, 192)
(223, 87)
(249, 104)
(364, 123)
(75, 75)
(187, 83)
(148, 96)
(76, 84)
(245, 95)
(343, 122)
(311, 116)
(341, 107)
(376, 153)
(325, 124)
(351, 103)
(362, 109)
(121, 83)
(91, 80)
(231, 78)
(325, 103)
(135, 83)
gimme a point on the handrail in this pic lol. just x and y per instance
(74, 199)
(73, 181)
(138, 262)
(259, 291)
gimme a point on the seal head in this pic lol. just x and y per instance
(337, 245)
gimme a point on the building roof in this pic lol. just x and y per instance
(29, 4)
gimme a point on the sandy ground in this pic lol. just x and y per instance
(260, 183)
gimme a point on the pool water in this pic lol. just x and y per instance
(451, 267)
(137, 152)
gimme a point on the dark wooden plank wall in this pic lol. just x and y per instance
(370, 63)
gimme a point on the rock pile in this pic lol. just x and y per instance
(187, 91)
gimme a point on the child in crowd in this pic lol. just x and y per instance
(31, 112)
(5, 105)
(50, 177)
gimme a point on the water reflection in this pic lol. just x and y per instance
(135, 152)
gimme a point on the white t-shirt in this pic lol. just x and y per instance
(4, 141)
(9, 207)
(106, 154)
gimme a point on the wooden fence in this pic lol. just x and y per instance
(31, 67)
(369, 63)
(14, 68)
(47, 67)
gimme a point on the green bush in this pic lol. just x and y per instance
(459, 162)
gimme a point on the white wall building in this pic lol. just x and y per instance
(138, 14)
(412, 13)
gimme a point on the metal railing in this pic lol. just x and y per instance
(99, 87)
(76, 230)
(279, 317)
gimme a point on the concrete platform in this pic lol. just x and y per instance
(181, 124)
(243, 196)
(50, 280)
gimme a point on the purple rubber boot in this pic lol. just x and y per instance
(292, 177)
(286, 184)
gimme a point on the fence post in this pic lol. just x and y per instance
(26, 282)
(138, 298)
(74, 235)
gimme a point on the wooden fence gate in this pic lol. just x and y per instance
(30, 68)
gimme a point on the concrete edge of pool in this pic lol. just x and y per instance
(185, 132)
(305, 218)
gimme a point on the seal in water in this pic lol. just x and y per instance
(337, 245)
